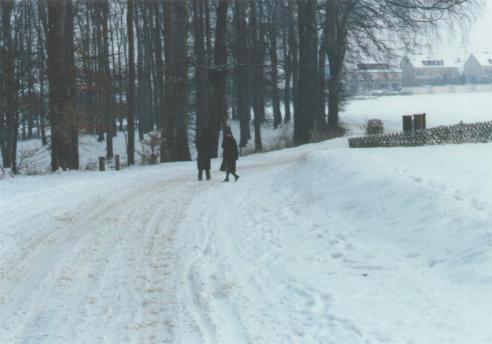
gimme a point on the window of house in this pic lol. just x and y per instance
(433, 63)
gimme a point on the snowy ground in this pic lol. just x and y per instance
(441, 109)
(317, 244)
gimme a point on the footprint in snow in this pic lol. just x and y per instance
(458, 196)
(336, 255)
(477, 204)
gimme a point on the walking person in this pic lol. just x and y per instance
(203, 161)
(230, 155)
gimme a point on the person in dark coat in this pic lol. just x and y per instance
(230, 155)
(203, 160)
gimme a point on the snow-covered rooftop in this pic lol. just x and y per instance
(484, 58)
(429, 61)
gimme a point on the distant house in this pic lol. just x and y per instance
(377, 76)
(478, 68)
(425, 70)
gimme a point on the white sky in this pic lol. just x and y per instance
(481, 32)
(459, 43)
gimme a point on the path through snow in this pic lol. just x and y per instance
(318, 244)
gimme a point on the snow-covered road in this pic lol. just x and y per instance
(318, 244)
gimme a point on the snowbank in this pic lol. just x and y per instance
(410, 240)
(316, 244)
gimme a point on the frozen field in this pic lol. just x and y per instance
(441, 109)
(317, 244)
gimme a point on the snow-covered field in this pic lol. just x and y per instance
(316, 244)
(441, 109)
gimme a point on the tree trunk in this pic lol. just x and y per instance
(168, 143)
(307, 93)
(293, 52)
(287, 72)
(217, 77)
(71, 87)
(321, 113)
(131, 85)
(108, 96)
(159, 66)
(200, 67)
(336, 48)
(242, 73)
(42, 70)
(277, 114)
(180, 87)
(257, 46)
(140, 100)
(10, 87)
(61, 142)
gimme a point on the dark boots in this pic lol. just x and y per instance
(236, 177)
(200, 174)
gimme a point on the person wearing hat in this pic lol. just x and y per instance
(230, 155)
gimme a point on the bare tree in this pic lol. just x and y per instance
(217, 77)
(200, 66)
(9, 89)
(273, 23)
(89, 76)
(71, 86)
(371, 28)
(241, 71)
(181, 80)
(256, 62)
(60, 118)
(131, 85)
(305, 106)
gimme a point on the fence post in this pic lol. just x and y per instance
(419, 121)
(407, 124)
(117, 162)
(102, 163)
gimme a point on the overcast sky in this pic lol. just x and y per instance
(478, 39)
(481, 32)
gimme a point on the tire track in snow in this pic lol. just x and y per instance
(201, 311)
(44, 265)
(215, 310)
(210, 280)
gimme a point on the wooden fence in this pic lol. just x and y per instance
(452, 134)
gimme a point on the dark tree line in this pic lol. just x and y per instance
(173, 67)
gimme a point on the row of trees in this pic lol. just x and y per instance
(96, 67)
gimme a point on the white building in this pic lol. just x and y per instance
(427, 70)
(478, 68)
